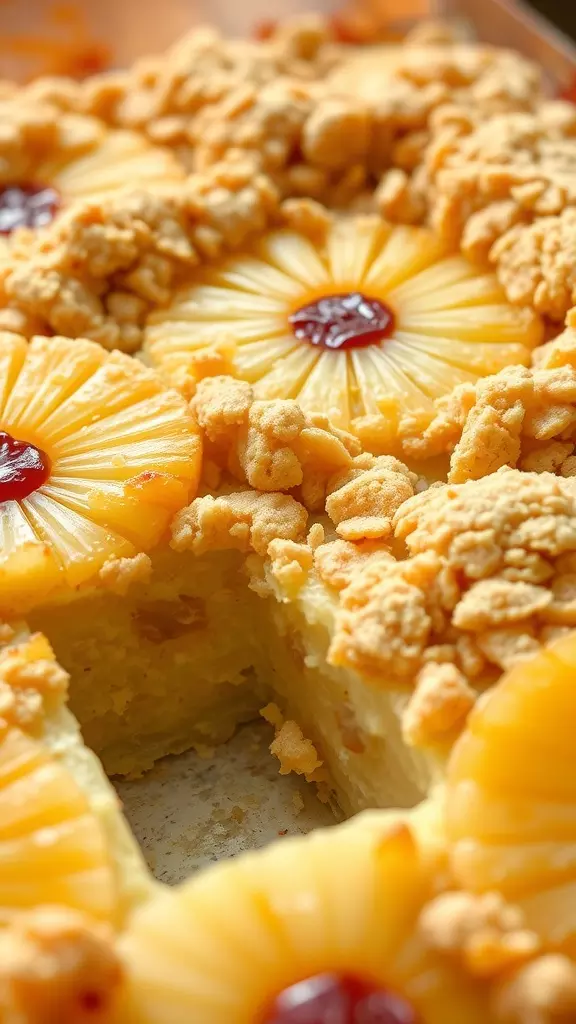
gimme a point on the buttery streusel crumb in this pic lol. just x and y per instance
(102, 265)
(247, 520)
(32, 683)
(488, 934)
(361, 502)
(294, 752)
(272, 445)
(541, 992)
(337, 560)
(119, 574)
(519, 417)
(438, 707)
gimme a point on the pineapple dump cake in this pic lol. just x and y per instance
(288, 428)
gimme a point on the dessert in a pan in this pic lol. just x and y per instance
(288, 428)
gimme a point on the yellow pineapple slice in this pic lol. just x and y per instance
(369, 327)
(341, 903)
(511, 793)
(121, 159)
(114, 455)
(66, 157)
(52, 847)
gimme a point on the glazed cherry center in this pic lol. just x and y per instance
(23, 468)
(344, 321)
(338, 999)
(27, 206)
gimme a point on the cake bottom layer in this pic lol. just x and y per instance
(180, 661)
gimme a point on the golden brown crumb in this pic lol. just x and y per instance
(294, 752)
(384, 623)
(290, 564)
(35, 131)
(483, 930)
(439, 705)
(56, 965)
(119, 574)
(337, 560)
(541, 992)
(246, 520)
(102, 265)
(271, 445)
(32, 683)
(363, 499)
(510, 419)
(536, 263)
(489, 178)
(491, 569)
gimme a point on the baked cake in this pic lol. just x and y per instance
(288, 429)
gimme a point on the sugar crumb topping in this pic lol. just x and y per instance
(32, 683)
(483, 931)
(245, 521)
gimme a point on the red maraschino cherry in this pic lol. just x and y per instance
(23, 468)
(336, 322)
(338, 999)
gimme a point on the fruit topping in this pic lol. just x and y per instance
(27, 206)
(351, 320)
(23, 468)
(338, 999)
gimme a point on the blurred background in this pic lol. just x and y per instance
(78, 37)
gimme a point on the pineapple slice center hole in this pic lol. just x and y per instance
(23, 468)
(27, 206)
(343, 321)
(325, 998)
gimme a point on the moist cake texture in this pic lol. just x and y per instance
(288, 428)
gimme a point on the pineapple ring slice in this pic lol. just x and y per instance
(125, 455)
(120, 158)
(511, 793)
(451, 324)
(220, 948)
(52, 848)
(110, 160)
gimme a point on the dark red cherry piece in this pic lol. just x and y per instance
(27, 206)
(338, 999)
(350, 320)
(23, 468)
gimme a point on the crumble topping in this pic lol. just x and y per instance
(536, 263)
(439, 705)
(246, 521)
(119, 574)
(290, 564)
(32, 683)
(491, 569)
(56, 965)
(483, 931)
(541, 992)
(294, 752)
(272, 445)
(98, 270)
(336, 561)
(519, 417)
(34, 132)
(362, 501)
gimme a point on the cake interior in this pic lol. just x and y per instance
(181, 661)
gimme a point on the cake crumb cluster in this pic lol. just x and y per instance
(519, 417)
(32, 683)
(104, 264)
